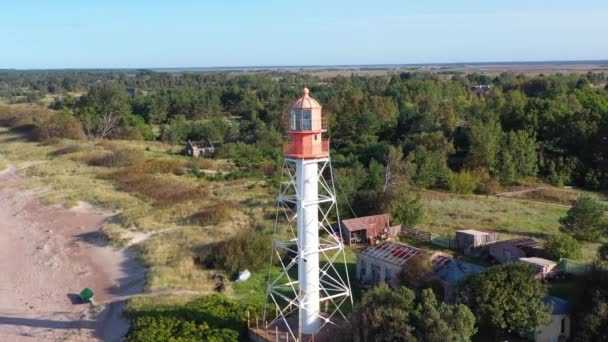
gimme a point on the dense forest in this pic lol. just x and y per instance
(465, 133)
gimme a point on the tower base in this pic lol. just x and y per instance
(279, 331)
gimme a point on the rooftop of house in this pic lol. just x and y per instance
(399, 254)
(560, 306)
(538, 261)
(472, 232)
(523, 242)
(373, 222)
(455, 270)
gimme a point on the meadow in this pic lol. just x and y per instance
(154, 197)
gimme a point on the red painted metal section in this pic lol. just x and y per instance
(307, 125)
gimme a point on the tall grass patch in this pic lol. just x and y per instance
(162, 191)
(117, 158)
(214, 214)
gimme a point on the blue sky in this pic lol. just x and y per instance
(181, 33)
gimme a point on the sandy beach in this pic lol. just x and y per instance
(48, 254)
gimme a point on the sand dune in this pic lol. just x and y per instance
(48, 254)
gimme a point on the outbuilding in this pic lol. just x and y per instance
(513, 249)
(469, 240)
(368, 229)
(558, 329)
(544, 267)
(384, 262)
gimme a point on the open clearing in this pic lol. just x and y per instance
(534, 214)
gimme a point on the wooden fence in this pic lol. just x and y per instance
(437, 240)
(443, 241)
(416, 234)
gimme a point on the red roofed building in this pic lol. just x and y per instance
(383, 262)
(368, 229)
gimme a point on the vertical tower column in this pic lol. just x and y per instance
(307, 183)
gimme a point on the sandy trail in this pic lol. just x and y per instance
(48, 254)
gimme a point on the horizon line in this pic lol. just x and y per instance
(320, 66)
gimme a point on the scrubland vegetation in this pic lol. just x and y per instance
(423, 147)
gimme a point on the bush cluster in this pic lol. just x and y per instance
(248, 249)
(213, 215)
(118, 158)
(563, 246)
(211, 318)
(463, 182)
(41, 124)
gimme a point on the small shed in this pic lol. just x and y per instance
(511, 250)
(558, 328)
(544, 267)
(196, 151)
(368, 229)
(469, 239)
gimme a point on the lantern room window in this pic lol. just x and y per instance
(301, 120)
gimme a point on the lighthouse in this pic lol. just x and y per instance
(304, 237)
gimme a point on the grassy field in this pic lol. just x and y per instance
(528, 216)
(178, 223)
(445, 213)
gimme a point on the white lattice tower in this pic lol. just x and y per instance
(313, 283)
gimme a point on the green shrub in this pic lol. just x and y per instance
(57, 125)
(118, 158)
(213, 215)
(249, 249)
(211, 318)
(487, 185)
(463, 182)
(563, 246)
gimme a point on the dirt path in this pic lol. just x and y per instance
(519, 192)
(48, 254)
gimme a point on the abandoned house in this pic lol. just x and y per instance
(469, 240)
(482, 89)
(511, 250)
(558, 328)
(384, 262)
(544, 267)
(196, 151)
(368, 229)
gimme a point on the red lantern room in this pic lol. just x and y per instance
(306, 127)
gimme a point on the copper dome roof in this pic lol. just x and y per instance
(306, 102)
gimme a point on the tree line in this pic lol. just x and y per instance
(439, 128)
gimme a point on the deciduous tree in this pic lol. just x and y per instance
(585, 220)
(506, 298)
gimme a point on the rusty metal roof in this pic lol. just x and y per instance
(399, 254)
(373, 223)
